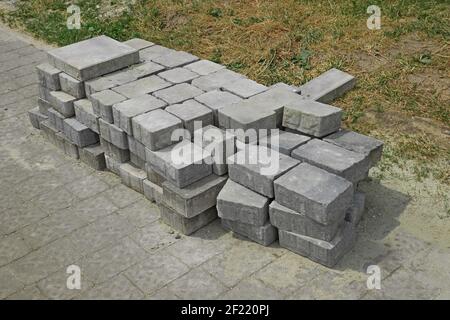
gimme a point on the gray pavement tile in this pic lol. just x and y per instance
(118, 288)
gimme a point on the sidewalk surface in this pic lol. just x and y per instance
(113, 234)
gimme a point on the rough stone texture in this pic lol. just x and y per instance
(256, 167)
(195, 198)
(320, 195)
(67, 146)
(36, 117)
(178, 93)
(48, 131)
(185, 225)
(328, 86)
(138, 44)
(217, 99)
(137, 161)
(72, 86)
(311, 117)
(124, 111)
(264, 235)
(216, 80)
(78, 133)
(297, 222)
(237, 203)
(136, 147)
(323, 252)
(113, 134)
(48, 76)
(284, 142)
(154, 176)
(356, 210)
(108, 81)
(204, 67)
(182, 164)
(132, 177)
(56, 119)
(102, 103)
(115, 153)
(152, 52)
(112, 164)
(84, 113)
(178, 75)
(193, 115)
(63, 103)
(93, 156)
(219, 143)
(93, 58)
(154, 129)
(144, 69)
(152, 191)
(347, 164)
(174, 59)
(43, 105)
(142, 86)
(244, 88)
(357, 142)
(44, 93)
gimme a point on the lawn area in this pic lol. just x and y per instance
(403, 90)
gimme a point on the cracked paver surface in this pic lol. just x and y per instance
(124, 252)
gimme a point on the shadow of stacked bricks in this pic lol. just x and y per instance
(117, 106)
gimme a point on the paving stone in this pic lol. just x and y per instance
(152, 52)
(72, 86)
(323, 252)
(216, 80)
(54, 200)
(178, 75)
(185, 225)
(137, 161)
(348, 164)
(357, 142)
(237, 203)
(163, 294)
(43, 105)
(136, 148)
(154, 237)
(178, 93)
(78, 133)
(118, 288)
(318, 194)
(103, 101)
(192, 114)
(63, 103)
(84, 113)
(174, 59)
(142, 86)
(244, 88)
(217, 99)
(356, 210)
(28, 293)
(311, 117)
(156, 271)
(140, 213)
(182, 164)
(328, 86)
(252, 289)
(110, 81)
(55, 286)
(48, 76)
(154, 176)
(132, 177)
(256, 167)
(44, 93)
(36, 117)
(93, 208)
(124, 111)
(195, 198)
(12, 247)
(204, 67)
(86, 186)
(154, 129)
(55, 119)
(9, 283)
(297, 222)
(122, 196)
(219, 143)
(113, 134)
(93, 57)
(264, 235)
(112, 164)
(284, 142)
(145, 69)
(152, 191)
(115, 153)
(138, 44)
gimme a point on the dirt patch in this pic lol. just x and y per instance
(431, 80)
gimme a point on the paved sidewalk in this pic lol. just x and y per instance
(55, 212)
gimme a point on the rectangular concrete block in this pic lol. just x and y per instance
(154, 129)
(124, 111)
(117, 154)
(145, 69)
(217, 99)
(328, 86)
(320, 195)
(283, 142)
(44, 105)
(238, 203)
(152, 191)
(219, 143)
(112, 164)
(193, 115)
(84, 113)
(93, 156)
(59, 141)
(71, 86)
(132, 177)
(137, 161)
(342, 162)
(356, 210)
(357, 142)
(172, 59)
(93, 57)
(36, 117)
(297, 222)
(256, 167)
(153, 52)
(113, 134)
(44, 93)
(56, 119)
(178, 93)
(109, 81)
(78, 133)
(182, 164)
(244, 87)
(48, 131)
(63, 103)
(71, 149)
(142, 86)
(48, 76)
(312, 117)
(103, 101)
(204, 67)
(264, 235)
(185, 225)
(136, 148)
(178, 75)
(154, 176)
(138, 44)
(323, 252)
(216, 80)
(195, 198)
